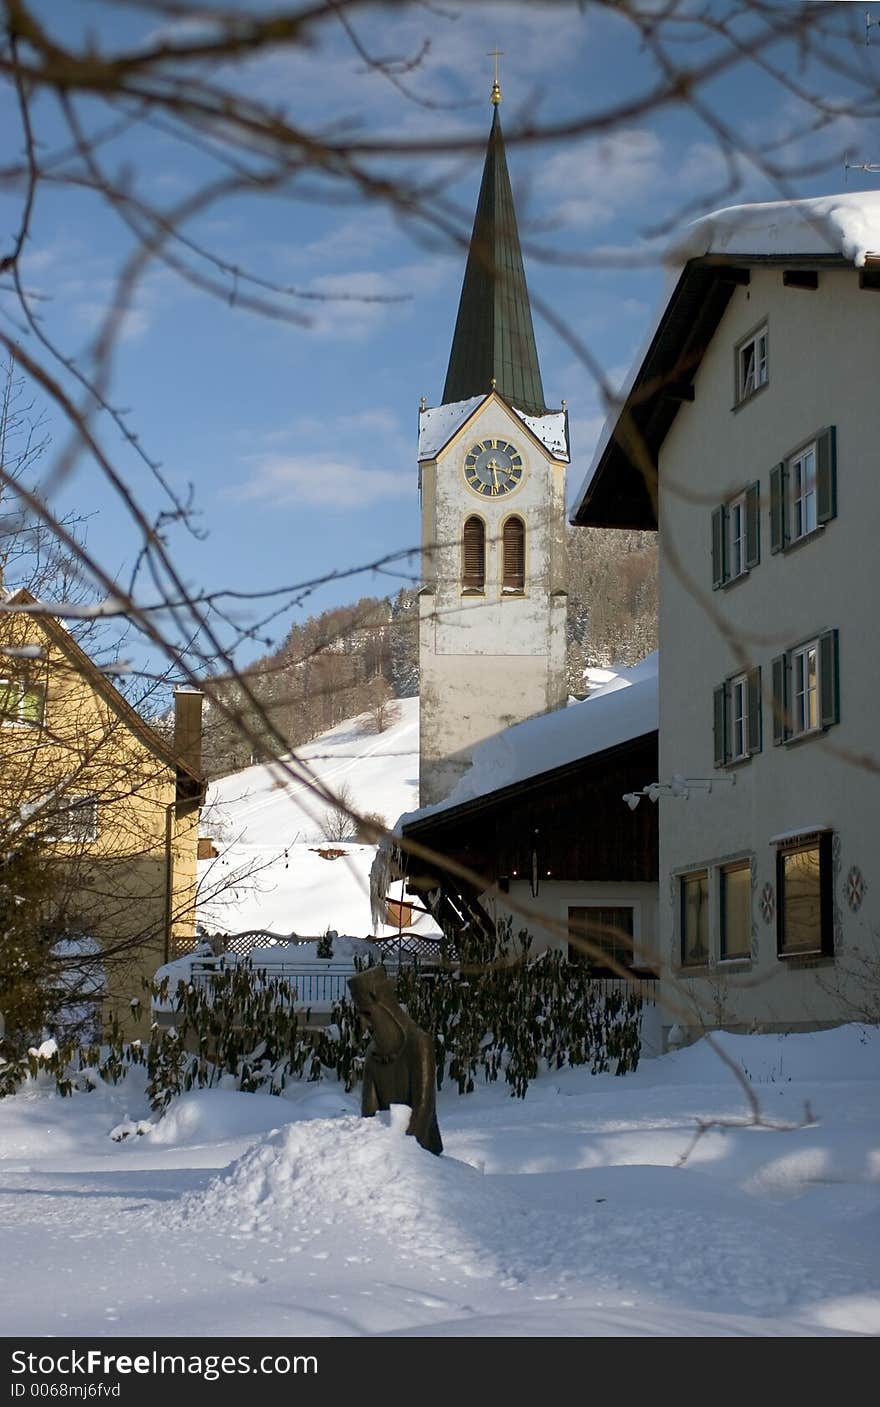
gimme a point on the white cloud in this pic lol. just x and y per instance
(595, 179)
(290, 480)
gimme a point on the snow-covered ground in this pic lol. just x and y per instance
(271, 831)
(563, 1214)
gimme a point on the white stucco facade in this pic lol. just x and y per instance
(823, 350)
(491, 657)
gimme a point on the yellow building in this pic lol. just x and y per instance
(116, 804)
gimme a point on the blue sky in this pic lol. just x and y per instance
(300, 441)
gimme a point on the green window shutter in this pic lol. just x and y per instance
(829, 678)
(719, 547)
(778, 515)
(780, 698)
(826, 474)
(754, 687)
(753, 525)
(720, 725)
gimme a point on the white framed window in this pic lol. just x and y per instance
(75, 820)
(21, 701)
(803, 490)
(736, 536)
(737, 718)
(802, 478)
(752, 364)
(806, 688)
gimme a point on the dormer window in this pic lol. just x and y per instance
(752, 367)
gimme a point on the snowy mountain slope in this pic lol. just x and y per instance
(269, 832)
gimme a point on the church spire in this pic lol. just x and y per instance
(494, 341)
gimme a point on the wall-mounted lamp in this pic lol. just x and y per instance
(678, 786)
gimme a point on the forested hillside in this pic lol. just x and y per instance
(358, 658)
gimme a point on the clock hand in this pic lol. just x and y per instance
(494, 475)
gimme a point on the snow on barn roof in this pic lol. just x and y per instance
(617, 712)
(843, 227)
(438, 424)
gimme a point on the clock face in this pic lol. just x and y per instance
(493, 467)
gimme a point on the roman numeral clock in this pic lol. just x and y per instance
(493, 468)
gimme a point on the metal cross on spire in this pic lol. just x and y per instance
(496, 54)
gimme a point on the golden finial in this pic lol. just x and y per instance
(423, 402)
(496, 86)
(493, 383)
(564, 404)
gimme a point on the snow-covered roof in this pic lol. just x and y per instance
(623, 708)
(845, 226)
(438, 424)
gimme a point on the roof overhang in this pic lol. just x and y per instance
(448, 817)
(620, 490)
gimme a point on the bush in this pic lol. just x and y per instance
(495, 1014)
(337, 824)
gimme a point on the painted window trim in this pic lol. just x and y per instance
(742, 396)
(470, 587)
(522, 589)
(749, 500)
(77, 803)
(728, 867)
(25, 689)
(823, 842)
(723, 718)
(782, 502)
(827, 688)
(690, 964)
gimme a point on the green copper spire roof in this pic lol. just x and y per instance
(494, 337)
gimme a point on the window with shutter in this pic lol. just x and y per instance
(473, 574)
(803, 491)
(514, 556)
(736, 545)
(806, 688)
(737, 718)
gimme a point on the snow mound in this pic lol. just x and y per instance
(845, 1053)
(368, 1176)
(214, 1115)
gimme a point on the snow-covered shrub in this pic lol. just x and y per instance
(499, 1013)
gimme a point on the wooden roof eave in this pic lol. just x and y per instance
(617, 496)
(455, 815)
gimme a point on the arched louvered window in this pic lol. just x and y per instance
(473, 552)
(514, 555)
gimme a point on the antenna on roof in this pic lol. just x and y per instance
(860, 166)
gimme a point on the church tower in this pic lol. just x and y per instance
(492, 462)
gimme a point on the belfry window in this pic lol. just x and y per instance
(513, 549)
(473, 554)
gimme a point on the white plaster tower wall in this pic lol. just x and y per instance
(494, 657)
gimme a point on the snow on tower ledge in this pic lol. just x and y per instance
(438, 424)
